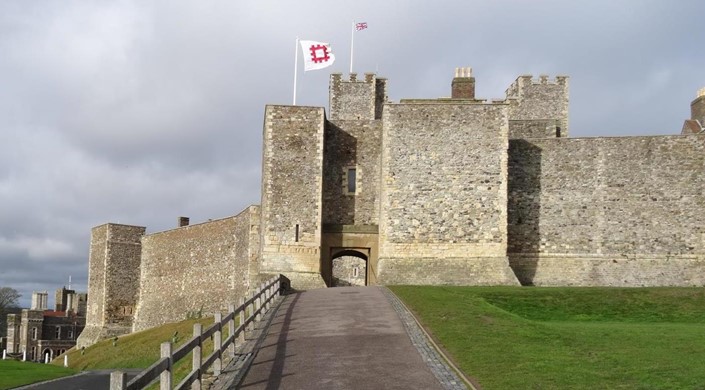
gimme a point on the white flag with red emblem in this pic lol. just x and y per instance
(317, 55)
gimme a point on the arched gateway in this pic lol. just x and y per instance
(349, 255)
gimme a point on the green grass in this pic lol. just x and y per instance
(141, 349)
(568, 338)
(14, 373)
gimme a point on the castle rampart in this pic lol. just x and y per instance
(620, 211)
(199, 268)
(439, 219)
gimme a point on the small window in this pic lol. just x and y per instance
(58, 332)
(34, 333)
(70, 334)
(355, 272)
(296, 233)
(352, 180)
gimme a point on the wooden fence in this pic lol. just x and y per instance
(249, 311)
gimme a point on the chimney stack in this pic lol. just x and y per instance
(463, 86)
(183, 221)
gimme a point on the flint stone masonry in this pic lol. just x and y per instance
(535, 128)
(200, 268)
(539, 99)
(354, 144)
(428, 194)
(292, 178)
(432, 205)
(113, 281)
(355, 99)
(588, 211)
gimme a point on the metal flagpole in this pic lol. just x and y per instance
(296, 64)
(352, 43)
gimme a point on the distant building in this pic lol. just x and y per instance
(41, 332)
(696, 123)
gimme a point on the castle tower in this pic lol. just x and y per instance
(463, 85)
(113, 281)
(538, 108)
(353, 99)
(292, 172)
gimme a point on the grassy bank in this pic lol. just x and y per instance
(14, 373)
(140, 350)
(568, 338)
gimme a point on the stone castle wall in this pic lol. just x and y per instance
(351, 144)
(621, 211)
(200, 268)
(535, 128)
(113, 281)
(437, 217)
(292, 183)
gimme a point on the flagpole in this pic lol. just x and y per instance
(296, 64)
(352, 43)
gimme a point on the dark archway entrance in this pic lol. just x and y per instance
(348, 268)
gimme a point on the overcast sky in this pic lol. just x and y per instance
(138, 112)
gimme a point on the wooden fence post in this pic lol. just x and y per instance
(118, 380)
(231, 328)
(258, 303)
(252, 310)
(165, 377)
(241, 336)
(196, 359)
(217, 343)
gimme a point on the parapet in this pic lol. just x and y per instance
(701, 92)
(523, 81)
(354, 99)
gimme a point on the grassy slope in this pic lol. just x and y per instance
(559, 338)
(140, 350)
(14, 373)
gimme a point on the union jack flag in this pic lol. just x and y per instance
(360, 26)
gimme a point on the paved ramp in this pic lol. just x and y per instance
(338, 338)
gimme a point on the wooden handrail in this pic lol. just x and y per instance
(162, 368)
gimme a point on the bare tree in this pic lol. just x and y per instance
(8, 304)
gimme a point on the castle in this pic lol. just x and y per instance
(456, 190)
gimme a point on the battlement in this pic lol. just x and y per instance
(515, 89)
(337, 78)
(354, 99)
